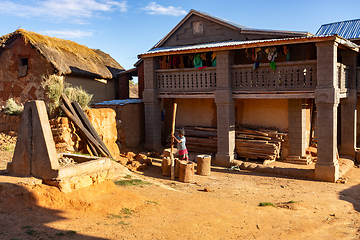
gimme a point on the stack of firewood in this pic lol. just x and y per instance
(200, 139)
(253, 143)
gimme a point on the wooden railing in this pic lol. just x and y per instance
(186, 80)
(288, 76)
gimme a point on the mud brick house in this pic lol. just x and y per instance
(25, 57)
(223, 74)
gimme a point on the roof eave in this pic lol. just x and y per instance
(262, 43)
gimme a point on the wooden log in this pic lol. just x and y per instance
(166, 166)
(79, 125)
(177, 166)
(196, 133)
(87, 124)
(186, 173)
(203, 165)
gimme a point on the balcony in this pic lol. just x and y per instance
(288, 77)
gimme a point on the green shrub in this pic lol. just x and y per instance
(12, 108)
(77, 94)
(54, 87)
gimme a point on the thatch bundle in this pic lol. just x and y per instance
(66, 56)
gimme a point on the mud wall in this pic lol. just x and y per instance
(27, 87)
(130, 121)
(267, 113)
(102, 90)
(9, 123)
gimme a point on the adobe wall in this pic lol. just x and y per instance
(27, 87)
(9, 123)
(267, 113)
(130, 123)
(195, 112)
(102, 90)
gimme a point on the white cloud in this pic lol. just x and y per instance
(156, 9)
(68, 34)
(77, 11)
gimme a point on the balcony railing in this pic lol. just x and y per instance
(288, 76)
(186, 80)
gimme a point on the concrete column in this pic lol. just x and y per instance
(225, 110)
(152, 105)
(297, 127)
(348, 107)
(327, 100)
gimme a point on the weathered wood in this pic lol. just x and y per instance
(79, 125)
(177, 166)
(87, 124)
(172, 144)
(186, 173)
(203, 165)
(166, 166)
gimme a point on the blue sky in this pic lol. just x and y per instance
(125, 29)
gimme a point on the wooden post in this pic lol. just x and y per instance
(172, 144)
(203, 165)
(165, 166)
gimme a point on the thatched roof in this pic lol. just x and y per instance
(66, 56)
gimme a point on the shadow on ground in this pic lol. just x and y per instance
(22, 218)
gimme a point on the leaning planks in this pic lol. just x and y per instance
(254, 143)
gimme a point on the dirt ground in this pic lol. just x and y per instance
(165, 209)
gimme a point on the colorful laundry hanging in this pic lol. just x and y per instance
(272, 65)
(197, 61)
(213, 59)
(256, 65)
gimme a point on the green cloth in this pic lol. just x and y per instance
(197, 61)
(273, 65)
(213, 62)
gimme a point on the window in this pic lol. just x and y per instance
(198, 27)
(23, 67)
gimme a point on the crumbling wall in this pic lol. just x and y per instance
(9, 123)
(65, 137)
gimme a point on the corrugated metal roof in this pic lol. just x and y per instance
(346, 29)
(243, 44)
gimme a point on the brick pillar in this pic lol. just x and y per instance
(327, 100)
(225, 110)
(348, 107)
(297, 127)
(123, 86)
(152, 106)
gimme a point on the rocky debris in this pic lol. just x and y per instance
(135, 162)
(64, 134)
(8, 140)
(66, 161)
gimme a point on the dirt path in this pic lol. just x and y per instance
(168, 209)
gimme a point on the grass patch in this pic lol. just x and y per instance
(264, 204)
(31, 232)
(131, 182)
(114, 216)
(127, 211)
(292, 201)
(123, 223)
(152, 202)
(128, 176)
